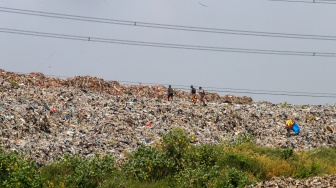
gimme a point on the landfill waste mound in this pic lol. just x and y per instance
(325, 181)
(46, 117)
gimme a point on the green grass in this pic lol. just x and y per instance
(172, 163)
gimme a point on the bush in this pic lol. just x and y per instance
(241, 161)
(305, 170)
(244, 138)
(286, 153)
(176, 143)
(80, 172)
(199, 166)
(261, 162)
(15, 171)
(176, 163)
(269, 167)
(198, 176)
(232, 178)
(326, 155)
(148, 164)
(201, 155)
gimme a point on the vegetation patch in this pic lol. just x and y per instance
(175, 162)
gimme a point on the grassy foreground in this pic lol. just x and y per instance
(175, 162)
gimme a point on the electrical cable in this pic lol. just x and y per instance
(165, 45)
(246, 91)
(257, 93)
(312, 1)
(221, 88)
(167, 26)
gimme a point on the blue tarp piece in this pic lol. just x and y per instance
(296, 128)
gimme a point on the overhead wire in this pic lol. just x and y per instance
(165, 45)
(242, 91)
(276, 94)
(311, 1)
(257, 93)
(185, 28)
(166, 26)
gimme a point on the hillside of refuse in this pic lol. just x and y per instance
(325, 181)
(45, 117)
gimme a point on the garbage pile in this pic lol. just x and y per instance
(46, 117)
(325, 181)
(89, 83)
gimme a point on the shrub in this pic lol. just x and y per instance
(198, 176)
(286, 153)
(201, 155)
(232, 178)
(176, 163)
(241, 161)
(80, 172)
(176, 143)
(244, 138)
(271, 167)
(199, 166)
(308, 169)
(18, 172)
(326, 155)
(262, 163)
(147, 164)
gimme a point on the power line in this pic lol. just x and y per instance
(258, 93)
(246, 91)
(167, 26)
(165, 45)
(276, 94)
(311, 1)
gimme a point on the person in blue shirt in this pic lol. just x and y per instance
(170, 93)
(292, 125)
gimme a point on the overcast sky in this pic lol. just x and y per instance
(251, 72)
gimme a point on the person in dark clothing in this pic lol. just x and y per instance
(170, 92)
(193, 94)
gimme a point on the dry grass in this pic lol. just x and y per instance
(274, 167)
(264, 163)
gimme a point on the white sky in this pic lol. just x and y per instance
(21, 53)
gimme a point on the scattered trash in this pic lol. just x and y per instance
(325, 181)
(86, 115)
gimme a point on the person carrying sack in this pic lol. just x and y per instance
(202, 95)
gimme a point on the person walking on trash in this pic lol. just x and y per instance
(193, 94)
(292, 125)
(202, 95)
(170, 92)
